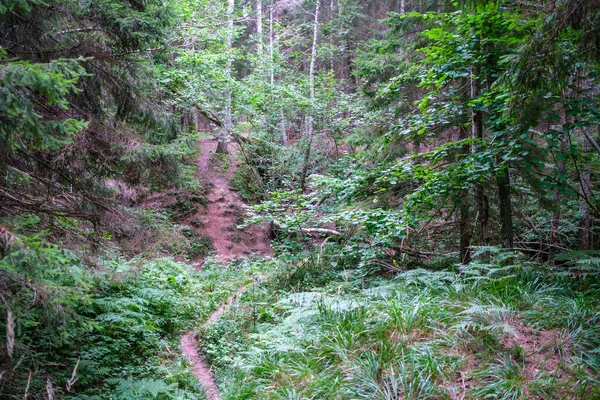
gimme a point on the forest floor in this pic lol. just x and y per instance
(225, 209)
(501, 328)
(219, 221)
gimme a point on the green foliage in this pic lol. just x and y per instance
(416, 128)
(245, 183)
(76, 97)
(28, 86)
(200, 245)
(220, 162)
(163, 166)
(422, 335)
(148, 389)
(108, 329)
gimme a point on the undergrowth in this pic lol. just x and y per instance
(154, 232)
(497, 328)
(109, 330)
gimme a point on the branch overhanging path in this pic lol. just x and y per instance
(223, 210)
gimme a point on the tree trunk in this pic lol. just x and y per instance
(259, 55)
(331, 37)
(585, 190)
(227, 120)
(196, 119)
(481, 202)
(463, 214)
(310, 118)
(282, 122)
(506, 222)
(271, 51)
(555, 221)
(259, 29)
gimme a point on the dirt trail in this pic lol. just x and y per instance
(225, 211)
(189, 348)
(220, 219)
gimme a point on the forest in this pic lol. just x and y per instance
(300, 199)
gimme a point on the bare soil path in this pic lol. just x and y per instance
(225, 210)
(219, 221)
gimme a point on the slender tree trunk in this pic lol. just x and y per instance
(506, 220)
(402, 6)
(228, 119)
(591, 140)
(271, 51)
(259, 29)
(331, 37)
(555, 221)
(481, 203)
(464, 214)
(282, 121)
(310, 118)
(259, 54)
(349, 62)
(585, 189)
(196, 119)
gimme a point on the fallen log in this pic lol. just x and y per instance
(314, 231)
(323, 231)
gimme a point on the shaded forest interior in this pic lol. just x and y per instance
(394, 199)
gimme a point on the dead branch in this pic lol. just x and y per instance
(323, 231)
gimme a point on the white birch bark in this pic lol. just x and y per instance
(271, 54)
(311, 77)
(332, 36)
(228, 119)
(259, 29)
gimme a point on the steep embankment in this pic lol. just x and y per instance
(225, 209)
(219, 220)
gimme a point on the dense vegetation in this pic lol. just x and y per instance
(429, 172)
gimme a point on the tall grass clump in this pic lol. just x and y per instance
(473, 331)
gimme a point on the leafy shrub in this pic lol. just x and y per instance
(163, 166)
(102, 330)
(244, 181)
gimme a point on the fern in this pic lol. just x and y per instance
(145, 389)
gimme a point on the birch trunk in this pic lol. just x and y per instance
(282, 122)
(331, 36)
(259, 29)
(310, 118)
(227, 120)
(271, 51)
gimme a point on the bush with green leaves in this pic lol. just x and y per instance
(108, 331)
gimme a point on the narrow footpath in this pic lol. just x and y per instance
(219, 221)
(225, 209)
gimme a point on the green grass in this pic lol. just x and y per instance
(484, 332)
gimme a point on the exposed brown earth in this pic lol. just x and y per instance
(225, 210)
(219, 222)
(189, 349)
